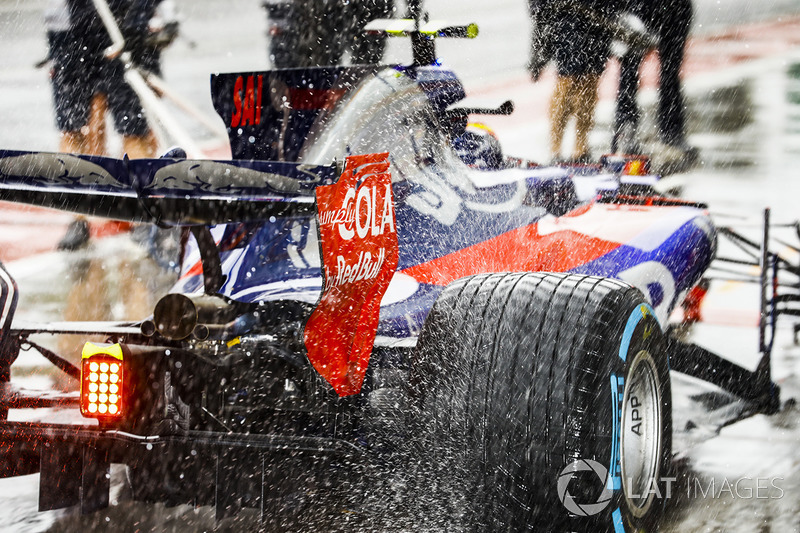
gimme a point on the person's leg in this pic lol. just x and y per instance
(87, 301)
(72, 142)
(84, 141)
(138, 140)
(140, 146)
(283, 34)
(671, 118)
(96, 128)
(560, 109)
(626, 116)
(325, 32)
(580, 53)
(70, 97)
(674, 32)
(585, 98)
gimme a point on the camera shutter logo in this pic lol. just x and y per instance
(584, 508)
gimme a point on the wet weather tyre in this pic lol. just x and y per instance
(532, 397)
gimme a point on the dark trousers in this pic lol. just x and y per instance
(672, 29)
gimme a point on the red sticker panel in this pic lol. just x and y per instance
(358, 241)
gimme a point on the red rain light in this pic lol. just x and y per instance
(102, 382)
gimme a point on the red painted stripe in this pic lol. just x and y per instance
(106, 228)
(196, 270)
(522, 249)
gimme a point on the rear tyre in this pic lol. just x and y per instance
(533, 396)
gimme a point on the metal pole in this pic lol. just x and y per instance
(135, 79)
(107, 17)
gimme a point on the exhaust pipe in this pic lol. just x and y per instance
(177, 316)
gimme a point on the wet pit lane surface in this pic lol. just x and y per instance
(745, 120)
(748, 130)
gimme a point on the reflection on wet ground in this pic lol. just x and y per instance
(720, 122)
(745, 121)
(747, 478)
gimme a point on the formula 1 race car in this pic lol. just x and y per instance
(365, 316)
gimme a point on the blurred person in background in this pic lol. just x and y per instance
(310, 33)
(87, 84)
(574, 34)
(669, 21)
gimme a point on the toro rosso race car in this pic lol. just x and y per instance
(365, 318)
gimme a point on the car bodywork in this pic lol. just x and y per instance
(223, 390)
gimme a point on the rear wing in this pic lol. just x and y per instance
(270, 114)
(162, 191)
